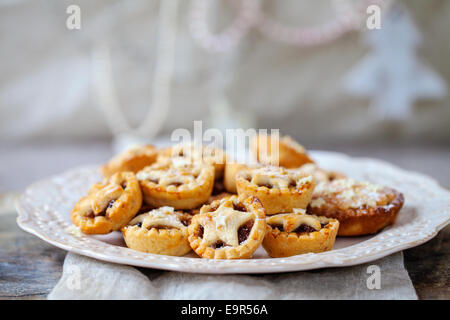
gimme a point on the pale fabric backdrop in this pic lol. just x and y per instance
(46, 86)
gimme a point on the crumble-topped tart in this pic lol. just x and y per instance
(361, 207)
(109, 205)
(279, 189)
(160, 231)
(183, 187)
(230, 228)
(297, 233)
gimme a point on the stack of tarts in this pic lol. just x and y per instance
(174, 200)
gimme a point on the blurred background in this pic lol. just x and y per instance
(81, 79)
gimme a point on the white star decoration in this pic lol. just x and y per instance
(225, 224)
(393, 75)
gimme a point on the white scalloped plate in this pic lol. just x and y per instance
(44, 210)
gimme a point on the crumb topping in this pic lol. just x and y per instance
(350, 193)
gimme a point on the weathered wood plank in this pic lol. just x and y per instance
(429, 267)
(29, 267)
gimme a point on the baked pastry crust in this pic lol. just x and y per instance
(230, 228)
(279, 189)
(189, 153)
(361, 207)
(186, 186)
(159, 231)
(109, 205)
(290, 153)
(291, 234)
(134, 159)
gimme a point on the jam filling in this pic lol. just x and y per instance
(155, 181)
(110, 204)
(176, 184)
(218, 245)
(139, 224)
(304, 229)
(244, 231)
(185, 222)
(239, 207)
(278, 226)
(90, 214)
(124, 185)
(199, 232)
(267, 185)
(160, 227)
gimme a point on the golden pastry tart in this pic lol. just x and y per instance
(230, 228)
(186, 186)
(159, 231)
(134, 159)
(296, 233)
(279, 189)
(361, 207)
(189, 153)
(109, 205)
(321, 175)
(290, 153)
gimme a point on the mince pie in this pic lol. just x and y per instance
(230, 228)
(134, 159)
(296, 233)
(159, 231)
(279, 189)
(109, 205)
(290, 154)
(186, 186)
(190, 153)
(361, 207)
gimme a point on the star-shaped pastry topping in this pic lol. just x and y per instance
(224, 224)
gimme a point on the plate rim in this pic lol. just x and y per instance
(231, 266)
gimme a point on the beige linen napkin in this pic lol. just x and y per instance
(86, 278)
